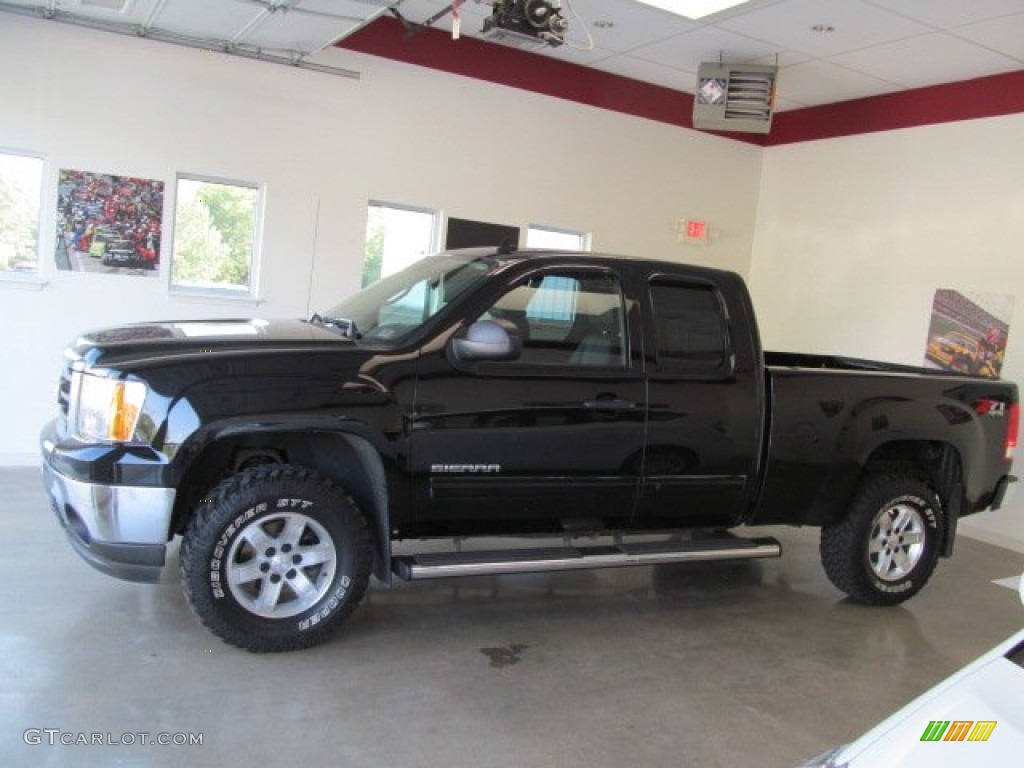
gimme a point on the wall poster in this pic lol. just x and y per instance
(968, 331)
(108, 224)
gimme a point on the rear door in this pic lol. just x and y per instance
(705, 405)
(553, 439)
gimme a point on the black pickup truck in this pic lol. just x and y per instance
(543, 410)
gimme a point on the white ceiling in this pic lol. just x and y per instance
(291, 28)
(876, 46)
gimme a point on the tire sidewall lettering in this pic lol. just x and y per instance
(923, 506)
(332, 604)
(293, 504)
(893, 589)
(217, 560)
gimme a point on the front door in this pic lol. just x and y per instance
(552, 440)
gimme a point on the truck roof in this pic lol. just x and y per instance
(511, 254)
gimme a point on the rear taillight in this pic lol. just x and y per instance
(1012, 425)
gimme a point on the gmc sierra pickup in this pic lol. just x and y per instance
(490, 395)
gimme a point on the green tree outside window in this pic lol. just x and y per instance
(214, 235)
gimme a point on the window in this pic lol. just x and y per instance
(689, 326)
(216, 226)
(21, 181)
(556, 239)
(555, 301)
(391, 309)
(396, 236)
(567, 318)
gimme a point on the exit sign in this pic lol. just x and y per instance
(693, 231)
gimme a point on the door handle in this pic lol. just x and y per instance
(609, 402)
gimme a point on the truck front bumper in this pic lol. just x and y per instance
(121, 530)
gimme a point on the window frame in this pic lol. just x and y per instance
(585, 238)
(37, 277)
(724, 368)
(252, 290)
(435, 231)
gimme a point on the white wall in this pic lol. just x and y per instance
(105, 103)
(854, 235)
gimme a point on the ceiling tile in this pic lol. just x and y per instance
(134, 11)
(951, 13)
(634, 24)
(949, 59)
(359, 9)
(303, 33)
(736, 10)
(1005, 35)
(205, 20)
(649, 72)
(574, 54)
(857, 25)
(818, 82)
(687, 51)
(421, 10)
(785, 105)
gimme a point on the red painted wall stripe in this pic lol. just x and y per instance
(967, 100)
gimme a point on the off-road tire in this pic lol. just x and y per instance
(887, 546)
(274, 558)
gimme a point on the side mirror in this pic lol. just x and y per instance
(488, 340)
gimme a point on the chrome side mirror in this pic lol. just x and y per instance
(488, 340)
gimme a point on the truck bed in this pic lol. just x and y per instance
(828, 414)
(841, 363)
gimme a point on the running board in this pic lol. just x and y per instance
(501, 561)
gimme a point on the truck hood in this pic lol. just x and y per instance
(146, 343)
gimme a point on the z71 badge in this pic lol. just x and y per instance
(989, 407)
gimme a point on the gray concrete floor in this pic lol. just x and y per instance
(718, 664)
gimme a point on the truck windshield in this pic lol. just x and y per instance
(391, 309)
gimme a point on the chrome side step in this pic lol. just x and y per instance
(502, 561)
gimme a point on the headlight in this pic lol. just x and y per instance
(108, 409)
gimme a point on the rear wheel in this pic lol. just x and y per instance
(275, 558)
(888, 545)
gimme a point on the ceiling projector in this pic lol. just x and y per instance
(526, 23)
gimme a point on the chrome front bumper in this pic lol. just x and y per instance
(120, 530)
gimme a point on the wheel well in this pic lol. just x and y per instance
(348, 461)
(936, 463)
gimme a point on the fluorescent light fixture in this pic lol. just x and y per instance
(693, 9)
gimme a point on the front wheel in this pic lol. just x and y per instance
(887, 546)
(275, 558)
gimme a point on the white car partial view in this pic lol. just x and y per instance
(973, 718)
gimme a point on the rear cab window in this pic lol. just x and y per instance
(691, 332)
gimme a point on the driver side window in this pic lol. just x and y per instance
(566, 318)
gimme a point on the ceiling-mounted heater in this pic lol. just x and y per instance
(734, 97)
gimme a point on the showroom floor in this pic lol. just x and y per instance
(759, 663)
